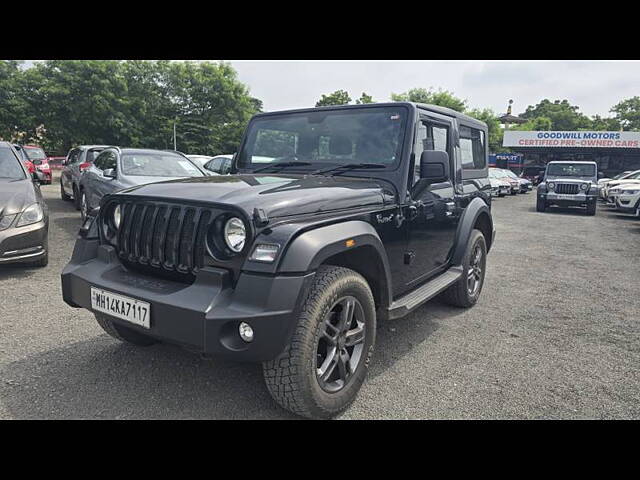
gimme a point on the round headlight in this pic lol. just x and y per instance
(235, 234)
(550, 185)
(584, 186)
(116, 217)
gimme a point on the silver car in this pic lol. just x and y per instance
(78, 159)
(118, 168)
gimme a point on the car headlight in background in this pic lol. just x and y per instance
(551, 185)
(32, 214)
(627, 192)
(265, 252)
(235, 234)
(117, 217)
(6, 221)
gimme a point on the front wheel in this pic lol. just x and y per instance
(541, 205)
(466, 291)
(84, 208)
(63, 195)
(320, 372)
(591, 209)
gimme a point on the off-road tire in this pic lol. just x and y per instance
(63, 195)
(122, 333)
(291, 378)
(591, 209)
(458, 294)
(541, 205)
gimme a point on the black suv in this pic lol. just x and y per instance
(332, 219)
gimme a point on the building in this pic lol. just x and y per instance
(614, 152)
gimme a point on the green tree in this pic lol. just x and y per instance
(627, 113)
(443, 98)
(604, 123)
(339, 97)
(537, 123)
(562, 114)
(364, 98)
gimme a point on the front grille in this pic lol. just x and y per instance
(162, 237)
(567, 188)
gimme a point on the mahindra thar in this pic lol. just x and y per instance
(331, 220)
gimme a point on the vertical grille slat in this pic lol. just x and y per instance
(567, 188)
(157, 235)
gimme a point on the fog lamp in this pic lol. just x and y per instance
(246, 332)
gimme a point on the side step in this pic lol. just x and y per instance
(409, 302)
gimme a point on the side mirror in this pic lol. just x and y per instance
(38, 176)
(434, 166)
(109, 173)
(600, 175)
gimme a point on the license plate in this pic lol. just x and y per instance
(560, 196)
(125, 308)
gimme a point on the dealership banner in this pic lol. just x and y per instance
(582, 139)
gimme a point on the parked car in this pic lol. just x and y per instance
(39, 159)
(117, 168)
(524, 185)
(56, 163)
(24, 218)
(219, 165)
(614, 192)
(628, 200)
(569, 184)
(533, 173)
(77, 161)
(291, 263)
(502, 175)
(200, 159)
(499, 187)
(22, 155)
(632, 177)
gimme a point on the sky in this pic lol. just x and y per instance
(595, 86)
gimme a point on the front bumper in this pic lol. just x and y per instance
(628, 204)
(203, 316)
(579, 199)
(23, 244)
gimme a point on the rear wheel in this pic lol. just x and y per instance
(122, 333)
(466, 291)
(322, 369)
(541, 205)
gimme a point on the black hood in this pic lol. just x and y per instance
(277, 195)
(16, 195)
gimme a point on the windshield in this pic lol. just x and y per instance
(158, 165)
(326, 138)
(35, 153)
(495, 173)
(509, 173)
(10, 165)
(571, 170)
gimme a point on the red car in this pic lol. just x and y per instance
(37, 156)
(56, 162)
(22, 155)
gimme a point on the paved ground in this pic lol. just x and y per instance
(555, 335)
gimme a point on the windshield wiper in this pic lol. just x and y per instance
(282, 165)
(348, 166)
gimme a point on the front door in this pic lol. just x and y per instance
(433, 210)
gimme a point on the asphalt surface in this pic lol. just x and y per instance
(554, 335)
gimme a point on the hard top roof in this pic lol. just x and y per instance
(421, 106)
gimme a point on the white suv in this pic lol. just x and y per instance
(628, 200)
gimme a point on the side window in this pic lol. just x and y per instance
(73, 156)
(430, 136)
(472, 148)
(102, 161)
(110, 161)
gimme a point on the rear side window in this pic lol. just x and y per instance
(73, 156)
(472, 148)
